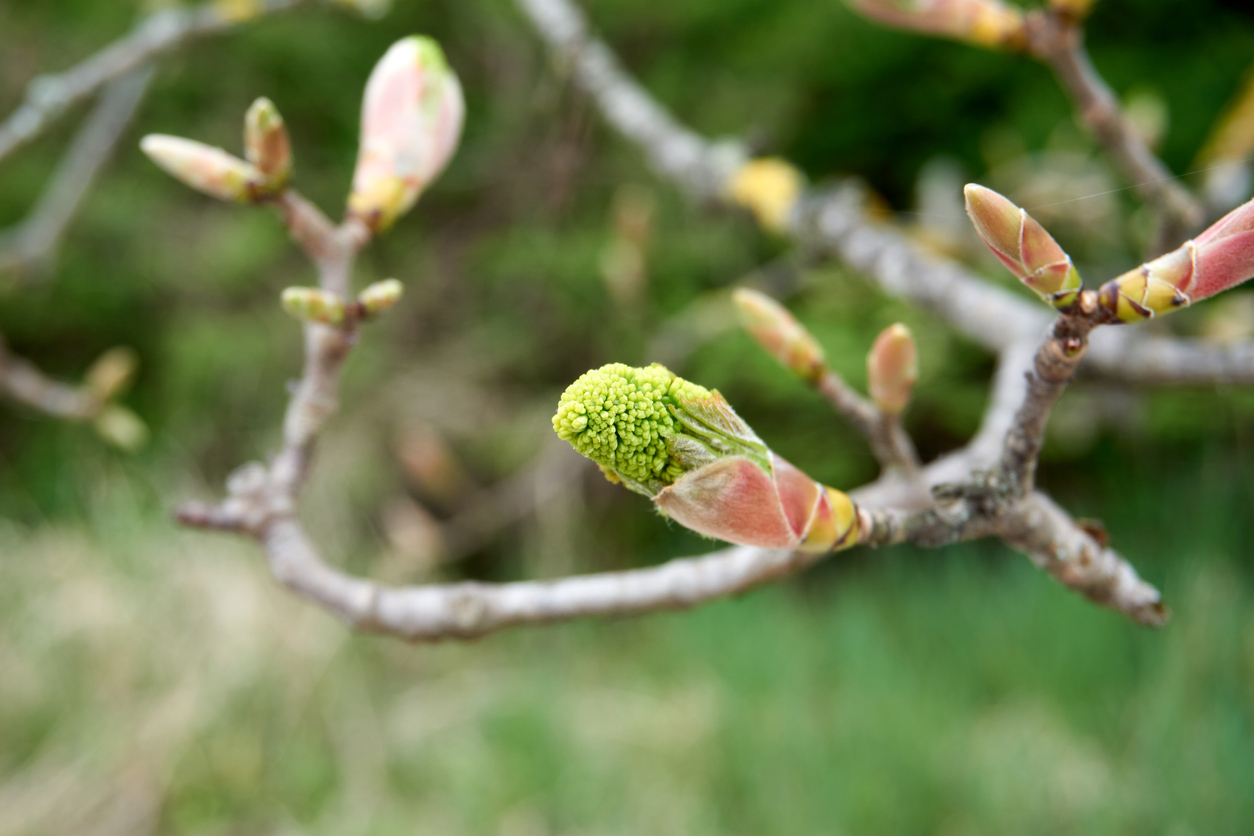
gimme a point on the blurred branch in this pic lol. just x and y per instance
(262, 499)
(22, 381)
(49, 96)
(889, 442)
(834, 221)
(1060, 45)
(32, 243)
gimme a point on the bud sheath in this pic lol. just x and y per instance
(1219, 258)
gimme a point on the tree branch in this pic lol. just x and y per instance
(31, 245)
(25, 383)
(1060, 45)
(49, 96)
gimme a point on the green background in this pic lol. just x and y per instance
(156, 680)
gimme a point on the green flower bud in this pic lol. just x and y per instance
(380, 296)
(311, 304)
(647, 427)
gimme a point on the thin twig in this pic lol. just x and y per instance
(1059, 44)
(49, 96)
(889, 442)
(31, 245)
(23, 382)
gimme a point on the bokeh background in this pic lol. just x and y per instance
(154, 680)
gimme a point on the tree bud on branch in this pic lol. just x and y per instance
(783, 337)
(120, 427)
(892, 367)
(684, 447)
(1024, 246)
(205, 168)
(380, 296)
(411, 121)
(1219, 258)
(266, 143)
(768, 188)
(988, 23)
(112, 373)
(312, 304)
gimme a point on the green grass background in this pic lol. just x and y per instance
(157, 681)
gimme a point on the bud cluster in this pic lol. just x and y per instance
(684, 447)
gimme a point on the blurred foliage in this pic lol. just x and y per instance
(957, 691)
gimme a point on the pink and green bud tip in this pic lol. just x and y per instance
(1219, 258)
(312, 304)
(380, 296)
(1024, 246)
(783, 337)
(411, 121)
(684, 447)
(266, 143)
(206, 169)
(892, 367)
(988, 23)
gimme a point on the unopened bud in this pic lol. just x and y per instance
(411, 121)
(120, 427)
(266, 143)
(205, 168)
(768, 188)
(684, 447)
(112, 373)
(312, 304)
(1024, 246)
(892, 367)
(783, 337)
(380, 296)
(989, 23)
(1219, 258)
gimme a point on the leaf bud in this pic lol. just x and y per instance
(312, 304)
(783, 337)
(266, 143)
(411, 122)
(892, 367)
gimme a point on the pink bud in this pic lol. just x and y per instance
(734, 499)
(411, 121)
(1023, 245)
(892, 367)
(1219, 258)
(783, 337)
